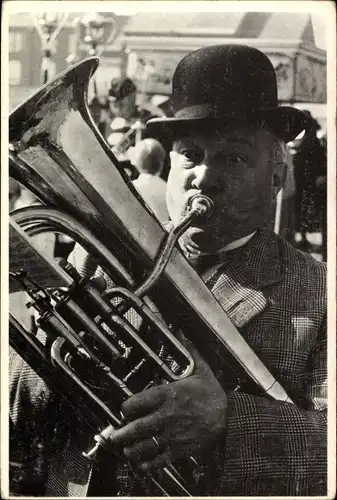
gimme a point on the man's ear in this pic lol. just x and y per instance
(279, 177)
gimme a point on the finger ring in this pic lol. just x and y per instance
(155, 441)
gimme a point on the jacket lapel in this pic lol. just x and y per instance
(241, 284)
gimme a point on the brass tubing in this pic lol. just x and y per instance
(89, 326)
(200, 206)
(34, 354)
(40, 215)
(57, 359)
(146, 313)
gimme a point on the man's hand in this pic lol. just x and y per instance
(174, 420)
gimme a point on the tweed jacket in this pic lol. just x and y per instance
(276, 296)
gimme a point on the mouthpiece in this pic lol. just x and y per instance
(201, 205)
(101, 440)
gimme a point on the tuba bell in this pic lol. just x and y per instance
(57, 152)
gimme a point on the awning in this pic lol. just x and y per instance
(158, 41)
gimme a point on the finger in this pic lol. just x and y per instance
(144, 402)
(145, 450)
(158, 462)
(201, 367)
(137, 430)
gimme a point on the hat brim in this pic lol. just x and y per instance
(285, 121)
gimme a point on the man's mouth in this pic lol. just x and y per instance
(202, 220)
(191, 194)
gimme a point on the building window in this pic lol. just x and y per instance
(14, 72)
(15, 41)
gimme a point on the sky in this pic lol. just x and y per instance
(320, 33)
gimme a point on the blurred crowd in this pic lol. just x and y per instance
(305, 191)
(122, 122)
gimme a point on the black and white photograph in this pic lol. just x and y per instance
(168, 263)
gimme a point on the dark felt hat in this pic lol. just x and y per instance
(120, 88)
(229, 83)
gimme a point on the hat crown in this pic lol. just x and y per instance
(224, 78)
(229, 83)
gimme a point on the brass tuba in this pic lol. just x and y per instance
(57, 152)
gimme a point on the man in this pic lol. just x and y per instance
(148, 156)
(229, 144)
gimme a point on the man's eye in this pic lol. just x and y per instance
(236, 159)
(192, 156)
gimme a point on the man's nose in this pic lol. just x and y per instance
(205, 177)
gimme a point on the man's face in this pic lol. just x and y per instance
(124, 107)
(239, 168)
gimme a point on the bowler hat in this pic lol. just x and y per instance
(229, 83)
(120, 88)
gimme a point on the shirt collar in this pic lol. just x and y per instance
(231, 246)
(261, 261)
(238, 243)
(260, 256)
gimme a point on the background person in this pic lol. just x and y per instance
(127, 126)
(125, 112)
(148, 156)
(309, 161)
(321, 187)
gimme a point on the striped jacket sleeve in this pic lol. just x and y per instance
(277, 448)
(28, 396)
